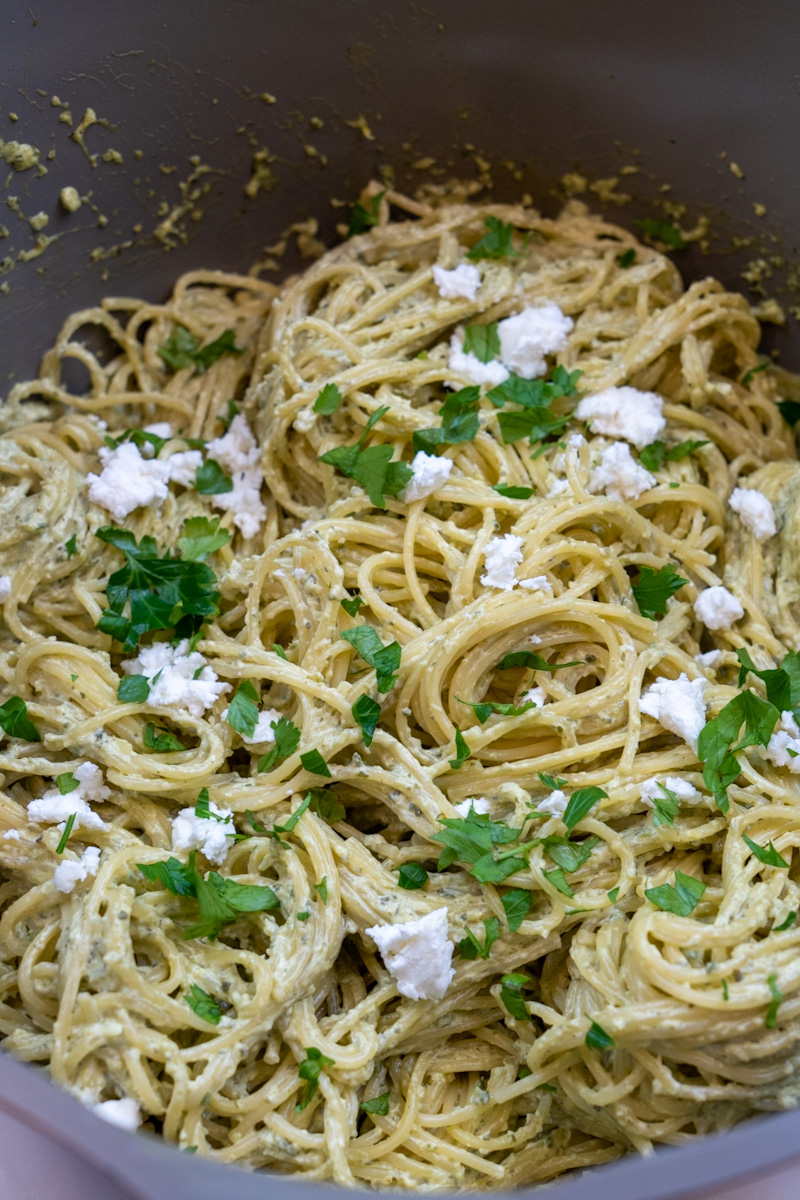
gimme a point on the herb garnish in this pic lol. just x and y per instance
(15, 721)
(362, 218)
(221, 901)
(366, 713)
(748, 375)
(371, 466)
(328, 400)
(460, 422)
(496, 243)
(182, 349)
(310, 1069)
(655, 454)
(775, 1002)
(162, 742)
(313, 761)
(462, 751)
(770, 856)
(581, 803)
(352, 604)
(654, 588)
(287, 739)
(62, 845)
(378, 1107)
(326, 805)
(412, 876)
(682, 899)
(597, 1038)
(486, 708)
(385, 659)
(470, 947)
(665, 806)
(200, 537)
(483, 341)
(243, 709)
(71, 546)
(512, 492)
(511, 989)
(790, 411)
(664, 231)
(211, 480)
(517, 903)
(133, 689)
(716, 747)
(473, 841)
(203, 1005)
(627, 258)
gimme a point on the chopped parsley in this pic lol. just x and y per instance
(62, 844)
(15, 721)
(655, 454)
(71, 546)
(412, 876)
(496, 243)
(474, 840)
(775, 1002)
(462, 751)
(378, 1107)
(352, 604)
(653, 589)
(715, 746)
(371, 466)
(558, 879)
(665, 806)
(202, 1005)
(226, 419)
(486, 708)
(597, 1038)
(211, 480)
(748, 375)
(182, 349)
(782, 683)
(787, 924)
(681, 899)
(511, 989)
(512, 492)
(243, 709)
(483, 341)
(527, 658)
(221, 901)
(291, 822)
(581, 803)
(664, 231)
(322, 889)
(310, 1070)
(366, 713)
(67, 783)
(385, 659)
(517, 903)
(470, 947)
(790, 411)
(770, 856)
(460, 422)
(133, 689)
(364, 217)
(326, 805)
(313, 761)
(328, 400)
(200, 537)
(162, 742)
(613, 895)
(627, 258)
(566, 854)
(537, 420)
(287, 739)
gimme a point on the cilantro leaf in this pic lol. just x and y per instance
(157, 593)
(287, 739)
(580, 804)
(362, 218)
(211, 480)
(385, 659)
(328, 400)
(654, 588)
(412, 876)
(371, 466)
(770, 857)
(133, 689)
(682, 899)
(313, 761)
(486, 708)
(462, 751)
(517, 903)
(483, 341)
(627, 258)
(182, 349)
(62, 844)
(352, 604)
(715, 744)
(790, 411)
(782, 683)
(470, 947)
(203, 1005)
(511, 989)
(664, 231)
(496, 243)
(162, 742)
(310, 1070)
(327, 805)
(201, 536)
(597, 1038)
(460, 422)
(366, 713)
(655, 454)
(378, 1107)
(527, 658)
(243, 709)
(67, 783)
(71, 546)
(665, 806)
(15, 721)
(511, 492)
(775, 1002)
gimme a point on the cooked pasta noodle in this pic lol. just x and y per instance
(631, 1024)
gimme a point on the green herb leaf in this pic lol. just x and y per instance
(527, 658)
(665, 806)
(483, 341)
(559, 881)
(496, 243)
(71, 546)
(211, 480)
(553, 785)
(328, 400)
(770, 857)
(664, 231)
(535, 394)
(385, 659)
(202, 807)
(613, 895)
(15, 721)
(279, 650)
(790, 411)
(182, 349)
(287, 739)
(162, 742)
(627, 258)
(363, 218)
(67, 783)
(171, 874)
(62, 845)
(513, 493)
(322, 889)
(511, 989)
(568, 855)
(226, 420)
(517, 903)
(532, 423)
(580, 804)
(682, 899)
(470, 947)
(352, 604)
(472, 841)
(243, 709)
(654, 588)
(366, 713)
(715, 744)
(201, 536)
(202, 1005)
(775, 1002)
(313, 761)
(378, 1107)
(787, 924)
(412, 876)
(327, 805)
(371, 466)
(303, 916)
(310, 1069)
(782, 683)
(486, 708)
(133, 689)
(462, 751)
(748, 375)
(655, 454)
(460, 422)
(597, 1038)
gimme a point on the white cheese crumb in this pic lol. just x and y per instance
(264, 730)
(183, 466)
(238, 452)
(678, 705)
(471, 366)
(460, 283)
(299, 572)
(305, 420)
(711, 658)
(503, 555)
(418, 954)
(430, 472)
(12, 835)
(526, 338)
(72, 871)
(717, 608)
(681, 787)
(5, 587)
(619, 475)
(558, 488)
(481, 806)
(123, 1113)
(161, 429)
(536, 694)
(539, 583)
(755, 512)
(211, 836)
(624, 412)
(53, 808)
(783, 748)
(176, 686)
(534, 640)
(127, 481)
(555, 804)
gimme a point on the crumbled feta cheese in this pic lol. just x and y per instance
(717, 608)
(53, 808)
(238, 452)
(481, 806)
(213, 837)
(755, 512)
(711, 658)
(183, 466)
(783, 748)
(651, 789)
(575, 441)
(678, 705)
(460, 283)
(470, 365)
(72, 871)
(526, 338)
(299, 572)
(619, 475)
(503, 555)
(418, 954)
(124, 1113)
(555, 804)
(624, 412)
(305, 420)
(558, 488)
(535, 694)
(175, 669)
(12, 835)
(539, 583)
(161, 429)
(430, 472)
(534, 640)
(127, 481)
(5, 587)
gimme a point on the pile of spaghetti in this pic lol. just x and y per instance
(373, 694)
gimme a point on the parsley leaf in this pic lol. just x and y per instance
(566, 854)
(665, 806)
(770, 857)
(379, 1106)
(559, 881)
(310, 1069)
(527, 658)
(371, 467)
(171, 874)
(202, 1005)
(483, 341)
(790, 411)
(62, 844)
(133, 689)
(532, 423)
(597, 1038)
(470, 947)
(15, 721)
(775, 1002)
(71, 546)
(787, 924)
(486, 708)
(472, 840)
(553, 785)
(511, 492)
(201, 536)
(664, 231)
(352, 604)
(627, 258)
(460, 422)
(782, 683)
(385, 659)
(158, 593)
(511, 989)
(328, 400)
(211, 480)
(279, 650)
(748, 375)
(462, 751)
(182, 349)
(162, 742)
(517, 903)
(580, 804)
(226, 420)
(496, 243)
(322, 889)
(363, 218)
(326, 805)
(682, 899)
(655, 454)
(535, 393)
(67, 783)
(366, 713)
(243, 709)
(220, 900)
(654, 588)
(715, 744)
(412, 876)
(287, 739)
(313, 761)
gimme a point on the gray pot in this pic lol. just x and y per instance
(547, 87)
